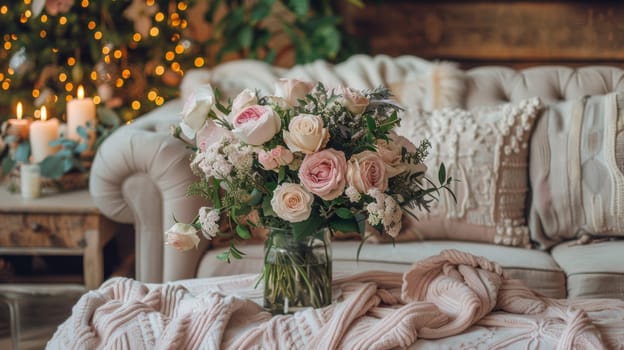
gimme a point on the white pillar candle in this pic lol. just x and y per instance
(21, 125)
(30, 181)
(80, 112)
(41, 133)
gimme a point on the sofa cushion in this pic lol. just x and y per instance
(594, 270)
(486, 151)
(577, 187)
(536, 268)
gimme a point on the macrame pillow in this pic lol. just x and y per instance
(486, 151)
(577, 170)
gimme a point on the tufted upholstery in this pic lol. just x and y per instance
(140, 173)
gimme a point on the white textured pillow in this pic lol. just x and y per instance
(577, 170)
(486, 150)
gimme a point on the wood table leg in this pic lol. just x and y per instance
(93, 263)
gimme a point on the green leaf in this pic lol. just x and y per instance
(261, 10)
(344, 225)
(68, 164)
(82, 131)
(224, 256)
(344, 213)
(307, 227)
(245, 37)
(108, 117)
(52, 167)
(256, 197)
(370, 123)
(442, 173)
(8, 165)
(243, 232)
(267, 209)
(22, 152)
(81, 147)
(299, 7)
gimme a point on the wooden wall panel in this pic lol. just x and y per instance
(474, 32)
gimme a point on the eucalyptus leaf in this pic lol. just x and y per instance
(344, 213)
(52, 167)
(22, 152)
(442, 173)
(81, 148)
(82, 131)
(8, 165)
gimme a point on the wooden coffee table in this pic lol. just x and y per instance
(58, 224)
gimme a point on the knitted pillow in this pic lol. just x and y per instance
(486, 151)
(577, 170)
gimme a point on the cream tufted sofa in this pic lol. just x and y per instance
(141, 173)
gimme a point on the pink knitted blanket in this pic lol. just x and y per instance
(453, 300)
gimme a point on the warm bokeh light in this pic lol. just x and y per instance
(62, 77)
(154, 31)
(62, 20)
(136, 105)
(199, 62)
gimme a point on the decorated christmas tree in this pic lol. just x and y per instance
(131, 55)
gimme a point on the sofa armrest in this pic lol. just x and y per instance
(140, 175)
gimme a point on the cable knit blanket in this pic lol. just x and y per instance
(453, 300)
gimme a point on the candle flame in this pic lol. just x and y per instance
(80, 92)
(44, 113)
(19, 110)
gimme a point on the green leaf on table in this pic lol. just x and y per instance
(8, 165)
(344, 213)
(243, 232)
(22, 152)
(52, 167)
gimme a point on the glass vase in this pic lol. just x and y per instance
(297, 273)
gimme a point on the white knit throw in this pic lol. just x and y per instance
(438, 298)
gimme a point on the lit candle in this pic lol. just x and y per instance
(41, 133)
(80, 112)
(20, 125)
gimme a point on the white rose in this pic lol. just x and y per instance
(353, 100)
(292, 202)
(292, 90)
(246, 98)
(306, 134)
(196, 109)
(182, 236)
(256, 124)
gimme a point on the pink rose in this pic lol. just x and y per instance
(182, 236)
(391, 153)
(256, 124)
(367, 170)
(353, 100)
(244, 99)
(323, 173)
(292, 90)
(282, 155)
(267, 161)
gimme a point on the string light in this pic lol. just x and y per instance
(69, 87)
(62, 77)
(199, 62)
(97, 100)
(97, 35)
(179, 49)
(136, 105)
(152, 95)
(43, 18)
(43, 34)
(119, 83)
(169, 56)
(93, 75)
(62, 20)
(91, 25)
(182, 6)
(7, 45)
(126, 73)
(154, 31)
(159, 17)
(35, 93)
(85, 3)
(136, 37)
(117, 54)
(28, 13)
(160, 70)
(71, 61)
(4, 9)
(105, 50)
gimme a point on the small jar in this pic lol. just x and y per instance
(30, 181)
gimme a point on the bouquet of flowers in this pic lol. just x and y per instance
(304, 161)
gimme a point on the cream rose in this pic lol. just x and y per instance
(256, 124)
(195, 111)
(292, 90)
(182, 236)
(306, 134)
(292, 202)
(367, 170)
(323, 173)
(246, 98)
(353, 100)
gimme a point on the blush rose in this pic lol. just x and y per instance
(292, 90)
(256, 124)
(323, 173)
(366, 170)
(353, 100)
(182, 236)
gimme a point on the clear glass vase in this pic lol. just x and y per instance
(297, 274)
